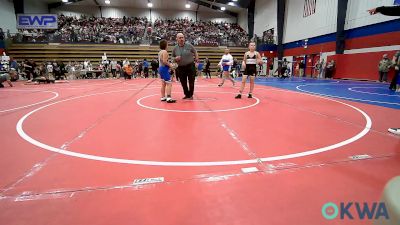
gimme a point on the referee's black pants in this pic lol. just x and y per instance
(187, 73)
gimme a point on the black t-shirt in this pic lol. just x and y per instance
(154, 64)
(31, 68)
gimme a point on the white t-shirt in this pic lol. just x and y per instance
(50, 68)
(113, 65)
(226, 59)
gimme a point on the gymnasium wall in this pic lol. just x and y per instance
(7, 16)
(243, 20)
(323, 22)
(364, 48)
(298, 27)
(357, 15)
(265, 16)
(33, 6)
(367, 37)
(362, 66)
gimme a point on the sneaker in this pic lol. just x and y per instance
(186, 97)
(163, 99)
(190, 98)
(250, 96)
(238, 96)
(170, 100)
(394, 130)
(1, 86)
(219, 85)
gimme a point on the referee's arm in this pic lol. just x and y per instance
(386, 10)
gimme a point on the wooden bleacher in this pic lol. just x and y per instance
(93, 52)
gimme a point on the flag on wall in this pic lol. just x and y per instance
(309, 7)
(396, 2)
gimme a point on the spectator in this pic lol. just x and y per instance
(146, 68)
(271, 69)
(330, 67)
(126, 61)
(1, 34)
(395, 84)
(128, 71)
(284, 67)
(302, 66)
(5, 78)
(113, 68)
(154, 68)
(383, 67)
(206, 70)
(322, 69)
(49, 71)
(29, 67)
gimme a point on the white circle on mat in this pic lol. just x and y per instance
(139, 102)
(37, 143)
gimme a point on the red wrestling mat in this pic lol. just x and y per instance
(71, 153)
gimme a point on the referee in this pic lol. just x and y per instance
(186, 56)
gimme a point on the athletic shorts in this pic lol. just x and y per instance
(251, 70)
(226, 68)
(164, 73)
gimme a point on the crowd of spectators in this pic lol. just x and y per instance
(205, 33)
(90, 29)
(135, 30)
(268, 37)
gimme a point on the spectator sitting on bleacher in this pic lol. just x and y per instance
(128, 71)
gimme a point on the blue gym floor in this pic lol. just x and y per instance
(360, 91)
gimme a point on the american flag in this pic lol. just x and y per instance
(396, 2)
(309, 7)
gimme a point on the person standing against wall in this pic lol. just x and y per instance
(302, 66)
(317, 68)
(207, 71)
(322, 69)
(330, 67)
(186, 56)
(383, 67)
(396, 79)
